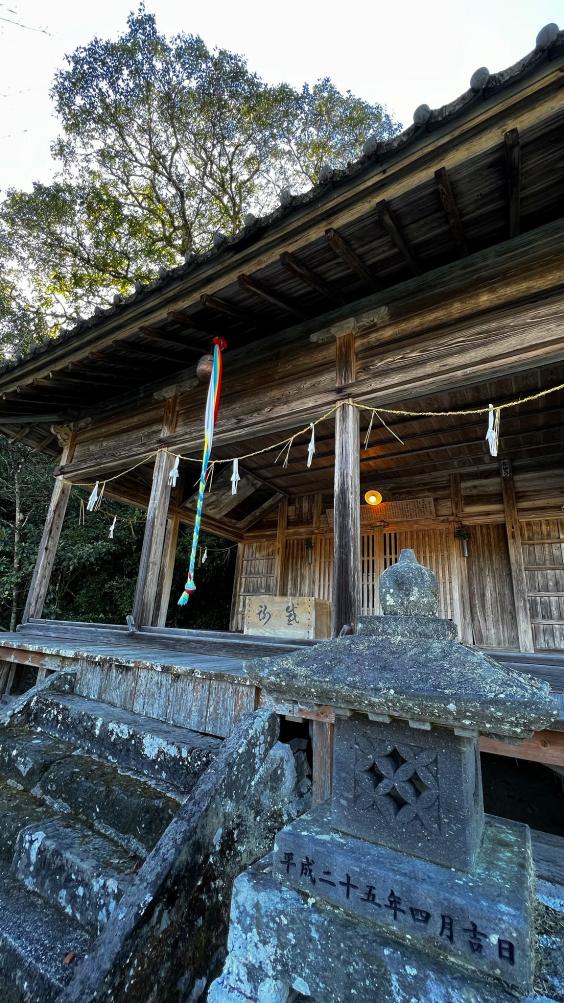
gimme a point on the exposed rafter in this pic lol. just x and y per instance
(258, 287)
(229, 309)
(513, 177)
(168, 338)
(150, 352)
(395, 231)
(186, 321)
(345, 252)
(450, 207)
(310, 278)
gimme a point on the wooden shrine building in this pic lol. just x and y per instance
(426, 277)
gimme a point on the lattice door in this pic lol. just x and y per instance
(543, 556)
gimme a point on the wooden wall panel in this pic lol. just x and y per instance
(491, 592)
(109, 437)
(543, 555)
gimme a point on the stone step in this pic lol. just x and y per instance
(73, 868)
(19, 810)
(143, 745)
(25, 756)
(127, 809)
(39, 946)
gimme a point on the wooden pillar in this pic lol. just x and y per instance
(146, 593)
(346, 551)
(166, 572)
(51, 534)
(461, 566)
(280, 552)
(518, 576)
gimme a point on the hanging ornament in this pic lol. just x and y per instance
(235, 478)
(492, 434)
(173, 475)
(212, 407)
(205, 555)
(92, 501)
(112, 528)
(204, 368)
(311, 447)
(81, 513)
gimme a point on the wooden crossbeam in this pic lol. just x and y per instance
(39, 418)
(270, 295)
(513, 177)
(309, 277)
(229, 309)
(450, 207)
(394, 230)
(345, 252)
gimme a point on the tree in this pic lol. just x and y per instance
(164, 142)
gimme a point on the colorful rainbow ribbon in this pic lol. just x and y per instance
(212, 407)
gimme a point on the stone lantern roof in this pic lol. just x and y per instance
(408, 664)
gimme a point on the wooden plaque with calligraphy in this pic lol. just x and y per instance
(300, 617)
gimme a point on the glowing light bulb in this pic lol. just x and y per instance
(373, 497)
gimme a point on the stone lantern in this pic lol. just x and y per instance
(399, 888)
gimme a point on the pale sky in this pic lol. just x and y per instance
(401, 53)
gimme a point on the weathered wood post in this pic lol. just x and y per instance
(516, 562)
(166, 573)
(346, 549)
(346, 543)
(51, 531)
(145, 607)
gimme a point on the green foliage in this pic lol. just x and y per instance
(210, 605)
(163, 142)
(94, 576)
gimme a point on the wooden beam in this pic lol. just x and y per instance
(450, 207)
(350, 258)
(168, 338)
(186, 320)
(280, 550)
(229, 309)
(513, 176)
(164, 583)
(150, 352)
(146, 593)
(259, 512)
(49, 540)
(518, 575)
(309, 277)
(544, 747)
(394, 230)
(39, 418)
(346, 527)
(249, 283)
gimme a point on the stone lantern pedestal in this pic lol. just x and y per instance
(399, 889)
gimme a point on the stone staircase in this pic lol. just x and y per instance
(86, 791)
